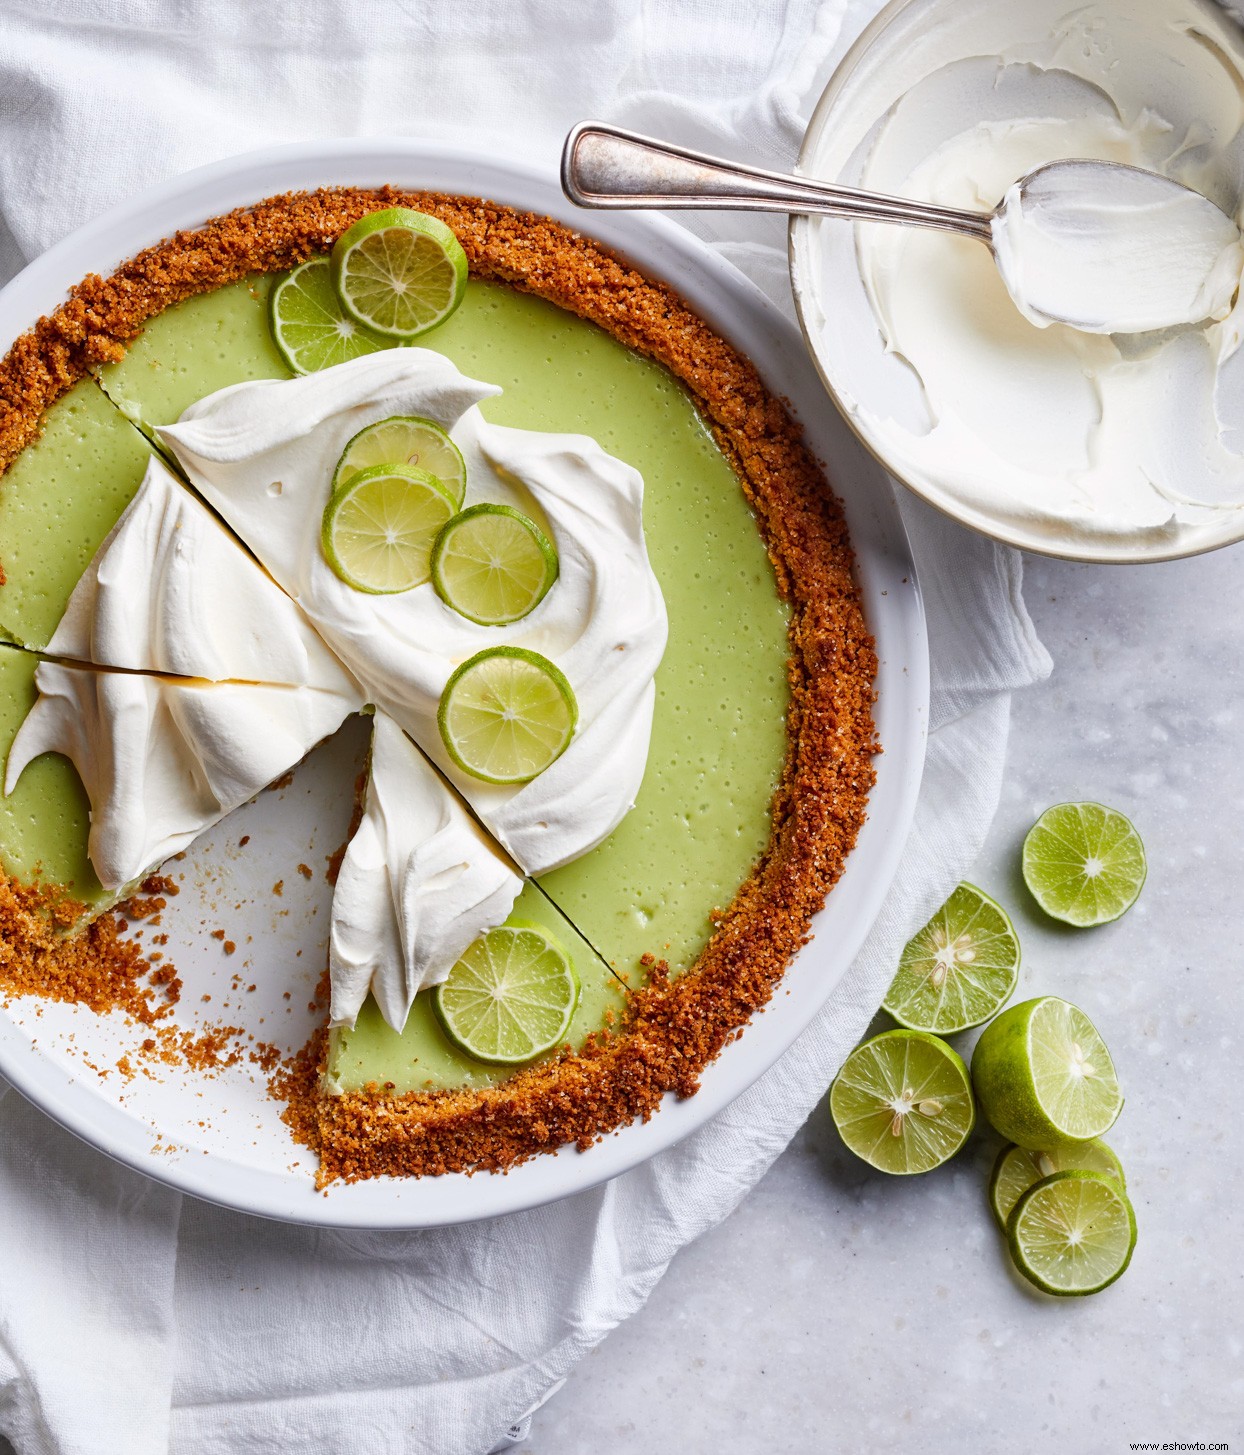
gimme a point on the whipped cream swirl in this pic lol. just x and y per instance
(263, 455)
(163, 758)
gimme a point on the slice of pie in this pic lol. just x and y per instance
(716, 781)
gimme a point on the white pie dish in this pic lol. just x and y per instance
(220, 1137)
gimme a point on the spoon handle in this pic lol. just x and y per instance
(605, 166)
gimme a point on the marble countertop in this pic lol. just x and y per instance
(841, 1310)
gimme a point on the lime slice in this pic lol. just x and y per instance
(1043, 1075)
(378, 529)
(1018, 1168)
(405, 439)
(1084, 863)
(510, 997)
(399, 272)
(493, 565)
(1073, 1233)
(957, 970)
(506, 714)
(309, 328)
(903, 1102)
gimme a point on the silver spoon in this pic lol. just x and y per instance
(606, 166)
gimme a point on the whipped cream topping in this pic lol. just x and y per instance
(163, 758)
(1115, 250)
(171, 591)
(418, 883)
(1068, 435)
(262, 454)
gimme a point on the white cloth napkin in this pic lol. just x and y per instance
(133, 1320)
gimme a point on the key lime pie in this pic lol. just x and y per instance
(457, 469)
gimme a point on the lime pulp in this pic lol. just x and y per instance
(1084, 863)
(378, 529)
(1019, 1168)
(405, 439)
(506, 714)
(903, 1102)
(956, 971)
(399, 272)
(510, 997)
(493, 565)
(1072, 1233)
(1044, 1077)
(309, 326)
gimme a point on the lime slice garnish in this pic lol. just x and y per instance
(493, 565)
(1084, 863)
(379, 527)
(506, 714)
(399, 272)
(1043, 1075)
(510, 997)
(405, 439)
(1073, 1233)
(903, 1102)
(1018, 1168)
(957, 970)
(309, 327)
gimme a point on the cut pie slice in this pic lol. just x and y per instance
(162, 758)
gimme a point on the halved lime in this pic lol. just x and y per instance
(1084, 863)
(1018, 1168)
(405, 439)
(1043, 1075)
(493, 565)
(510, 997)
(378, 529)
(399, 272)
(1073, 1233)
(309, 326)
(903, 1102)
(506, 714)
(957, 970)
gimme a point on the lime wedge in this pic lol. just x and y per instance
(399, 272)
(510, 997)
(1043, 1075)
(903, 1102)
(957, 970)
(1073, 1233)
(506, 714)
(309, 327)
(405, 439)
(378, 529)
(1084, 863)
(493, 565)
(1018, 1168)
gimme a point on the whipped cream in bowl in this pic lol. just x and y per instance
(1120, 444)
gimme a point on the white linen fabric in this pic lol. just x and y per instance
(135, 1321)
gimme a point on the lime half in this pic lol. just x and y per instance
(510, 997)
(1073, 1233)
(1043, 1075)
(1018, 1168)
(957, 970)
(493, 565)
(506, 714)
(399, 272)
(1084, 863)
(405, 439)
(309, 326)
(903, 1102)
(378, 529)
